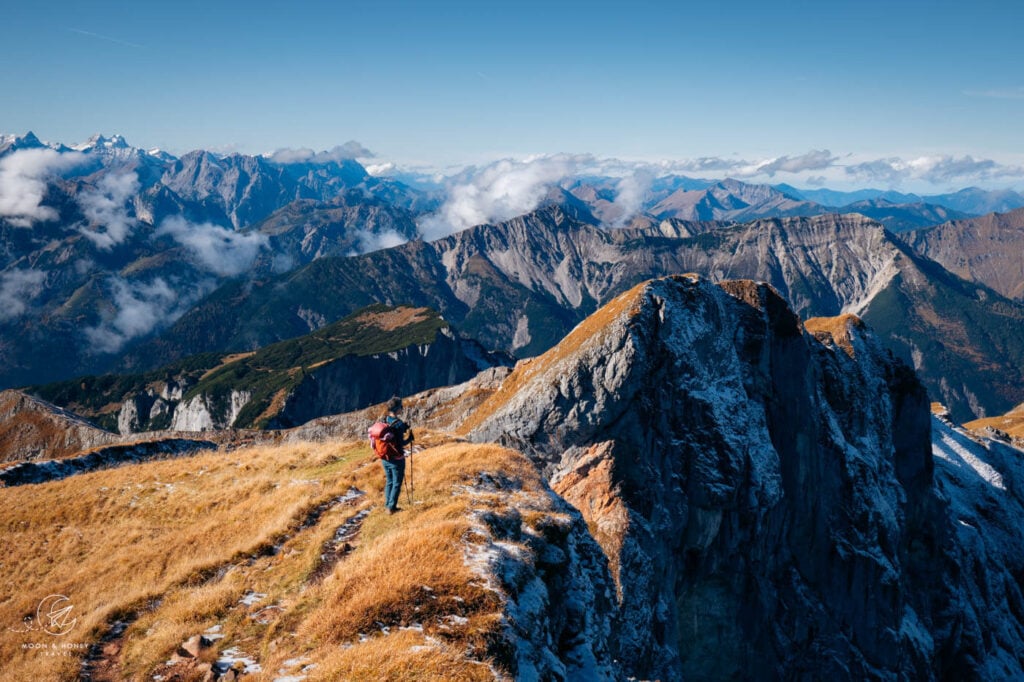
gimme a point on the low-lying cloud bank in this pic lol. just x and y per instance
(511, 187)
(139, 308)
(17, 288)
(343, 152)
(23, 177)
(214, 248)
(105, 207)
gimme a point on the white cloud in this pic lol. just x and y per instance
(104, 207)
(933, 169)
(23, 183)
(17, 288)
(375, 241)
(630, 193)
(500, 191)
(705, 164)
(140, 308)
(378, 169)
(345, 152)
(816, 159)
(1016, 92)
(214, 248)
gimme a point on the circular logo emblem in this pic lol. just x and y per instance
(54, 615)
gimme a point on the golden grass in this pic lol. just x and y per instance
(837, 328)
(394, 319)
(227, 360)
(1011, 423)
(177, 544)
(114, 540)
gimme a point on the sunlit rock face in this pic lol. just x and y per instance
(765, 492)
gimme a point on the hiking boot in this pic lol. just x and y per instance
(392, 510)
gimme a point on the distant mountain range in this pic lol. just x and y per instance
(113, 257)
(971, 200)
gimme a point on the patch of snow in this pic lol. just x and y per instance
(229, 657)
(952, 445)
(251, 598)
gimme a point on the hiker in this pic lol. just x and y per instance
(388, 437)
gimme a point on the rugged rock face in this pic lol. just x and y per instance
(983, 479)
(31, 429)
(205, 412)
(152, 409)
(988, 250)
(764, 494)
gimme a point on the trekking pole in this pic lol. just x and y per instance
(409, 488)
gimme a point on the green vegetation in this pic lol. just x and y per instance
(91, 396)
(264, 374)
(282, 366)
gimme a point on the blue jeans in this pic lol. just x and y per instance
(394, 473)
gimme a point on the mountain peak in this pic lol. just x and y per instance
(12, 143)
(699, 417)
(98, 141)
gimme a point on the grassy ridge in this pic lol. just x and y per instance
(268, 372)
(282, 366)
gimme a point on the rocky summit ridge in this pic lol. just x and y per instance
(765, 493)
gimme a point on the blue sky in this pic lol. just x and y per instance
(448, 83)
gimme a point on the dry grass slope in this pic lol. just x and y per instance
(838, 329)
(243, 545)
(1011, 423)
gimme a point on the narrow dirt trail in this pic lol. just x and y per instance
(103, 662)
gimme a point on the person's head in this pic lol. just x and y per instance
(394, 406)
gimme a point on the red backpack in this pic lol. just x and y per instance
(385, 441)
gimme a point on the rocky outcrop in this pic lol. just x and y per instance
(764, 494)
(206, 412)
(151, 409)
(41, 471)
(31, 429)
(1008, 427)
